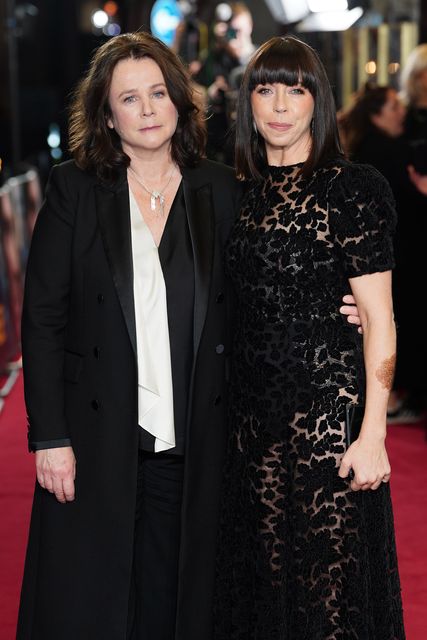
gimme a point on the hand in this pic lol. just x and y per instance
(56, 472)
(350, 310)
(418, 180)
(219, 84)
(369, 461)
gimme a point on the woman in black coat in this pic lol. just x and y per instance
(122, 533)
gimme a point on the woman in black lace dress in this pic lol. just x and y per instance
(306, 548)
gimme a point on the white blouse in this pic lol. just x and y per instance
(155, 391)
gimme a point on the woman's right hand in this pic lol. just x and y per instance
(368, 459)
(56, 472)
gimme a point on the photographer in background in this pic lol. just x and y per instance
(230, 51)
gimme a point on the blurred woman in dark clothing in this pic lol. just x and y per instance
(414, 90)
(372, 130)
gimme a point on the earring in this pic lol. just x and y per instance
(254, 126)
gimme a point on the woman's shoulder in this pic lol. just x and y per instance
(346, 168)
(356, 177)
(361, 193)
(70, 173)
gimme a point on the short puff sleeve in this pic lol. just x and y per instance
(362, 220)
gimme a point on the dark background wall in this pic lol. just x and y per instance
(54, 48)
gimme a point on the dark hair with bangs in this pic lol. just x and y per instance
(288, 61)
(96, 147)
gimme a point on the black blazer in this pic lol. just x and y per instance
(81, 383)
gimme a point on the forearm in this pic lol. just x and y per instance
(43, 368)
(46, 311)
(379, 347)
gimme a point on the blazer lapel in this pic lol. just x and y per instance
(112, 206)
(200, 215)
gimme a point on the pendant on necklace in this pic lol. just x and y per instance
(156, 195)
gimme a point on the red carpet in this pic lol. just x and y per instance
(407, 446)
(16, 488)
(408, 452)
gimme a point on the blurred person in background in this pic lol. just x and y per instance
(414, 94)
(373, 132)
(240, 33)
(189, 42)
(229, 53)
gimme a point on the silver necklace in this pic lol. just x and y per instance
(155, 195)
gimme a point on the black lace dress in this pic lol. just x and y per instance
(301, 556)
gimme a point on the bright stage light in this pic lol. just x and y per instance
(54, 137)
(330, 20)
(223, 12)
(327, 5)
(165, 17)
(111, 8)
(112, 29)
(99, 19)
(288, 11)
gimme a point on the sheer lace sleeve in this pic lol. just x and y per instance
(362, 219)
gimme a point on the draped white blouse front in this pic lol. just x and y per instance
(155, 391)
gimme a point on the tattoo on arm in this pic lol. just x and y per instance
(385, 372)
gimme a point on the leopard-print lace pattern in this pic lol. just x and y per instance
(301, 556)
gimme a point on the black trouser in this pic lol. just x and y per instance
(152, 604)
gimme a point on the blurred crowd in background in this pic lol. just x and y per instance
(383, 124)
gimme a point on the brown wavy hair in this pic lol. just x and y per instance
(289, 61)
(356, 122)
(97, 148)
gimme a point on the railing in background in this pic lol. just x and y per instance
(20, 200)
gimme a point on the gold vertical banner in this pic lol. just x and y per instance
(204, 39)
(408, 40)
(362, 55)
(347, 66)
(357, 52)
(383, 54)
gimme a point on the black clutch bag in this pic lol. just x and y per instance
(353, 421)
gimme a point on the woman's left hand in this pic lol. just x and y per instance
(368, 459)
(419, 180)
(350, 310)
